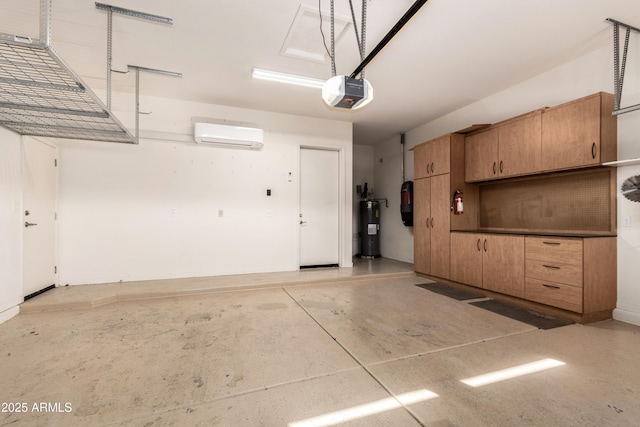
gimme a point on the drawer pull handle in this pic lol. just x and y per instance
(485, 245)
(550, 286)
(432, 170)
(593, 150)
(551, 266)
(552, 243)
(478, 244)
(494, 168)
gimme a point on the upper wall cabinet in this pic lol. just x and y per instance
(432, 158)
(509, 148)
(579, 133)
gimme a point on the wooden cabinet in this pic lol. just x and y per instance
(503, 264)
(490, 261)
(509, 148)
(519, 142)
(439, 171)
(432, 226)
(466, 258)
(421, 228)
(580, 133)
(575, 274)
(432, 157)
(481, 155)
(577, 134)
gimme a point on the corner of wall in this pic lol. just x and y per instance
(8, 314)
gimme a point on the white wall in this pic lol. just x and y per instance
(10, 225)
(362, 172)
(147, 211)
(396, 240)
(583, 76)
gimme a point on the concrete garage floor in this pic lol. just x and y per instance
(376, 351)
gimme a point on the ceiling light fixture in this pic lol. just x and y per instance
(275, 76)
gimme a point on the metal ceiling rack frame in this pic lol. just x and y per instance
(135, 14)
(137, 70)
(40, 95)
(619, 67)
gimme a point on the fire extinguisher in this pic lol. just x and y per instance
(457, 206)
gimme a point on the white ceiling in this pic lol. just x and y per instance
(452, 53)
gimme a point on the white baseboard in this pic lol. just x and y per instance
(9, 313)
(626, 316)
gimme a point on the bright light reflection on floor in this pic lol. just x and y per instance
(516, 371)
(365, 410)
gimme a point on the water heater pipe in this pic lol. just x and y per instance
(402, 153)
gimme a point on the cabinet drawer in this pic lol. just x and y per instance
(570, 274)
(554, 294)
(554, 250)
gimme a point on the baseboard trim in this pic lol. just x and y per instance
(626, 316)
(9, 313)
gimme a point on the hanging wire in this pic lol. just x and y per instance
(359, 40)
(363, 23)
(355, 28)
(333, 43)
(324, 41)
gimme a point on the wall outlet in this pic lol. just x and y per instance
(220, 213)
(626, 221)
(174, 212)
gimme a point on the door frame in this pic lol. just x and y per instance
(345, 179)
(22, 208)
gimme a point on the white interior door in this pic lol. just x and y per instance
(319, 207)
(39, 199)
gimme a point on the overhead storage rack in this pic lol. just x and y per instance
(41, 96)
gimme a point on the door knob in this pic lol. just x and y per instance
(303, 222)
(29, 224)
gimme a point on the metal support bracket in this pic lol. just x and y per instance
(137, 70)
(620, 66)
(128, 12)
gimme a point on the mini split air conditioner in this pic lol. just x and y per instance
(228, 136)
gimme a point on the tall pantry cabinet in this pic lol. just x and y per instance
(438, 173)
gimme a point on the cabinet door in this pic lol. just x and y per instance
(421, 161)
(503, 264)
(481, 155)
(421, 226)
(571, 134)
(466, 258)
(440, 225)
(519, 145)
(440, 150)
